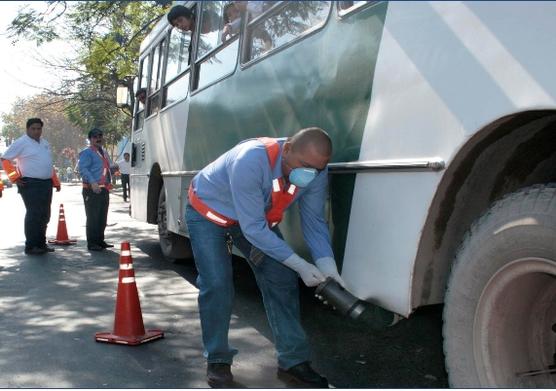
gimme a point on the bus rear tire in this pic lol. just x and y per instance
(173, 246)
(500, 305)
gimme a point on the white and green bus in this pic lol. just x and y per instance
(442, 181)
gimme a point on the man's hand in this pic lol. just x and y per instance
(95, 187)
(310, 275)
(58, 188)
(327, 266)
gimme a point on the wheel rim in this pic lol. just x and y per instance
(514, 329)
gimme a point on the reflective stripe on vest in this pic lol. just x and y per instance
(281, 198)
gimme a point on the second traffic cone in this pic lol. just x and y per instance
(128, 320)
(62, 234)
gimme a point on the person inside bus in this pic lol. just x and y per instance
(238, 200)
(141, 96)
(232, 21)
(253, 9)
(184, 19)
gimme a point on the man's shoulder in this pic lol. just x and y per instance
(84, 152)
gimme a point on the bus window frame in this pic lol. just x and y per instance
(137, 112)
(162, 68)
(354, 8)
(167, 83)
(197, 62)
(250, 26)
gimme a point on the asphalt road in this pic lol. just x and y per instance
(51, 306)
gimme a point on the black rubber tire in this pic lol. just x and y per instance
(493, 332)
(173, 246)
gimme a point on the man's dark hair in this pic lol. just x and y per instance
(177, 11)
(312, 136)
(32, 121)
(141, 91)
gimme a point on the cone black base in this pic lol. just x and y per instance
(62, 242)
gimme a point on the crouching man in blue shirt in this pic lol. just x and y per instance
(238, 200)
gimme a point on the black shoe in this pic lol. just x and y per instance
(304, 375)
(95, 247)
(106, 245)
(49, 249)
(35, 251)
(219, 375)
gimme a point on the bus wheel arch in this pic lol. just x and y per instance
(172, 245)
(154, 188)
(500, 159)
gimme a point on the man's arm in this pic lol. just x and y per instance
(246, 178)
(246, 182)
(83, 164)
(314, 226)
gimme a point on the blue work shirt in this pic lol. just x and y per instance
(238, 185)
(90, 166)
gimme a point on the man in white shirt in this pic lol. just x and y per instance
(34, 162)
(125, 169)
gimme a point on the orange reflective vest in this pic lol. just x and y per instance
(55, 180)
(14, 174)
(281, 197)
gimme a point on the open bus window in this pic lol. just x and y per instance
(178, 53)
(140, 103)
(154, 99)
(177, 77)
(212, 22)
(285, 24)
(216, 52)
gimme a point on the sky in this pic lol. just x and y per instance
(21, 74)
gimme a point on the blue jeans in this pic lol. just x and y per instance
(277, 283)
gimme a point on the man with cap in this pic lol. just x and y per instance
(94, 167)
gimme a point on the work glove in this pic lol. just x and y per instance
(327, 265)
(310, 275)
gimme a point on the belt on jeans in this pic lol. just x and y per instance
(88, 186)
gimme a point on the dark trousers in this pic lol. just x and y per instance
(96, 209)
(125, 185)
(37, 197)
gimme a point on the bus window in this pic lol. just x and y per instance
(212, 22)
(177, 53)
(156, 77)
(217, 56)
(139, 106)
(177, 82)
(284, 24)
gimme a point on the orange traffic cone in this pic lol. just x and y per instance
(62, 234)
(128, 321)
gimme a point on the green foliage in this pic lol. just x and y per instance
(108, 36)
(60, 132)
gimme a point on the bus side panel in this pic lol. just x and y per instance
(445, 69)
(323, 80)
(171, 158)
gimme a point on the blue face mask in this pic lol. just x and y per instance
(301, 177)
